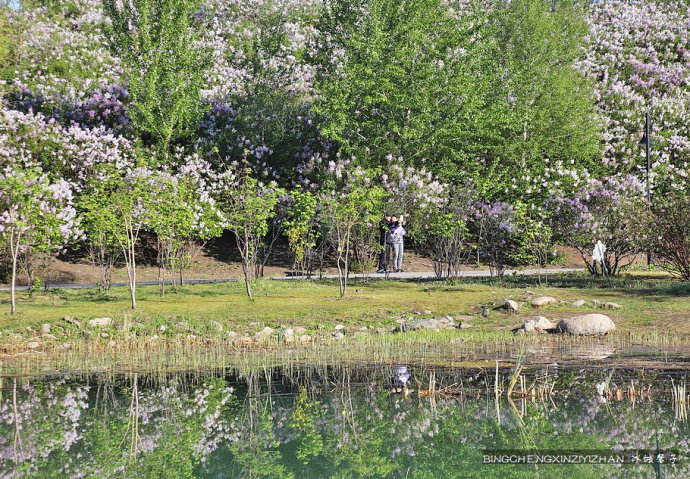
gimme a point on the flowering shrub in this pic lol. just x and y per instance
(35, 214)
(443, 234)
(605, 210)
(71, 153)
(353, 209)
(249, 208)
(669, 235)
(639, 59)
(415, 192)
(494, 227)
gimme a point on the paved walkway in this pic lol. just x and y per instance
(405, 275)
(482, 273)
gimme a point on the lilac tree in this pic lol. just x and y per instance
(669, 234)
(639, 60)
(436, 213)
(120, 201)
(605, 210)
(35, 214)
(494, 227)
(353, 207)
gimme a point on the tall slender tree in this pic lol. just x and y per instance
(542, 109)
(159, 43)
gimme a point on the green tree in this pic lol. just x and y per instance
(158, 42)
(249, 207)
(122, 201)
(399, 78)
(535, 239)
(357, 204)
(97, 219)
(300, 226)
(542, 109)
(178, 215)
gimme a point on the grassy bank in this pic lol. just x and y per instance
(216, 322)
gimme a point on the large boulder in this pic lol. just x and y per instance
(267, 331)
(97, 322)
(587, 325)
(429, 324)
(538, 324)
(541, 301)
(511, 305)
(578, 303)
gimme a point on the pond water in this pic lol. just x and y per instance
(346, 422)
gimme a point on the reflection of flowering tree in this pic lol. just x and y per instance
(77, 430)
(201, 427)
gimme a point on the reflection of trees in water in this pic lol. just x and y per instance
(318, 423)
(95, 428)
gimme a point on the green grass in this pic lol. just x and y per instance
(647, 304)
(654, 312)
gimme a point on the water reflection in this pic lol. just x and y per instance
(336, 422)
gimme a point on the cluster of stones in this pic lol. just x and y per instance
(288, 335)
(587, 324)
(582, 325)
(47, 329)
(293, 335)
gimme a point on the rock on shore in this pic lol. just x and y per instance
(542, 301)
(587, 325)
(538, 324)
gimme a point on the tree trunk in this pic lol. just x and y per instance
(247, 266)
(347, 260)
(247, 280)
(163, 256)
(340, 274)
(14, 249)
(132, 273)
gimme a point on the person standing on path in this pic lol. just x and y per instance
(398, 232)
(384, 242)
